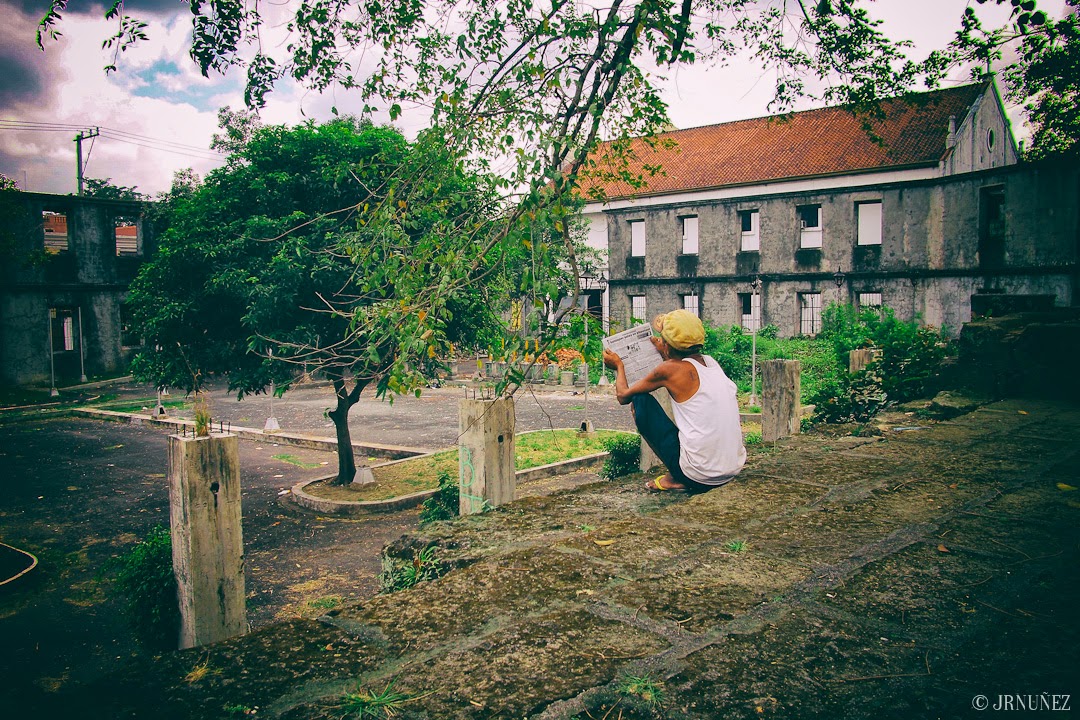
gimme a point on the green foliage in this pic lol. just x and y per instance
(103, 188)
(444, 504)
(732, 347)
(369, 704)
(144, 581)
(403, 574)
(643, 688)
(753, 438)
(910, 354)
(907, 367)
(624, 456)
(1043, 74)
(735, 546)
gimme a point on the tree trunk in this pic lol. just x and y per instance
(340, 416)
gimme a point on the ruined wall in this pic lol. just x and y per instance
(83, 273)
(933, 256)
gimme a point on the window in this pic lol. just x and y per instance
(809, 225)
(637, 309)
(868, 299)
(809, 313)
(690, 235)
(690, 302)
(127, 235)
(750, 311)
(751, 237)
(56, 232)
(63, 329)
(868, 217)
(637, 238)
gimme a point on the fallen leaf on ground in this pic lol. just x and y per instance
(942, 548)
(604, 543)
(1065, 488)
(1022, 412)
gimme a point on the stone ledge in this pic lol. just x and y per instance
(310, 442)
(356, 507)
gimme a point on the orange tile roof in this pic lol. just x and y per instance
(825, 141)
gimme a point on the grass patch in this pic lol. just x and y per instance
(422, 473)
(138, 406)
(293, 460)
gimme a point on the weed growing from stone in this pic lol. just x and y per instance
(325, 603)
(624, 456)
(643, 688)
(401, 574)
(239, 710)
(144, 581)
(368, 704)
(444, 504)
(735, 546)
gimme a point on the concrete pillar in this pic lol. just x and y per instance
(485, 453)
(780, 414)
(649, 460)
(207, 541)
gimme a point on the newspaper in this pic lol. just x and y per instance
(638, 354)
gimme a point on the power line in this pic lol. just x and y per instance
(124, 136)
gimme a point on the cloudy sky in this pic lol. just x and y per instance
(157, 114)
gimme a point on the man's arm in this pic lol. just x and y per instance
(658, 378)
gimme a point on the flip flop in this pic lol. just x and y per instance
(657, 486)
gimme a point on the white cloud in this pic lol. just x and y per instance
(159, 92)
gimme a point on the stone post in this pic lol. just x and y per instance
(859, 359)
(649, 460)
(780, 415)
(485, 453)
(207, 541)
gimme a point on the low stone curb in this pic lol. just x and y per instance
(310, 442)
(357, 507)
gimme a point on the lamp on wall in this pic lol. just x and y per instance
(839, 277)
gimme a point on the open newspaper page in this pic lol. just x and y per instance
(638, 354)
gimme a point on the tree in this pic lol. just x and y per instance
(1044, 76)
(104, 188)
(318, 247)
(7, 183)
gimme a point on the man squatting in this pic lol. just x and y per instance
(703, 447)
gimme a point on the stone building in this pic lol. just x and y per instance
(65, 266)
(926, 209)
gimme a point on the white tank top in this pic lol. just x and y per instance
(710, 434)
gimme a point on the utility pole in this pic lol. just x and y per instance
(83, 135)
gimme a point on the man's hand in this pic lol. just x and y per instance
(611, 360)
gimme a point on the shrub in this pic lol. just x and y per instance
(145, 582)
(403, 574)
(911, 355)
(624, 456)
(444, 504)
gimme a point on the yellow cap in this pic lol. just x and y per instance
(681, 329)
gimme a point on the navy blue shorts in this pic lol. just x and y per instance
(658, 430)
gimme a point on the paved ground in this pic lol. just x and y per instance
(926, 573)
(77, 492)
(429, 422)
